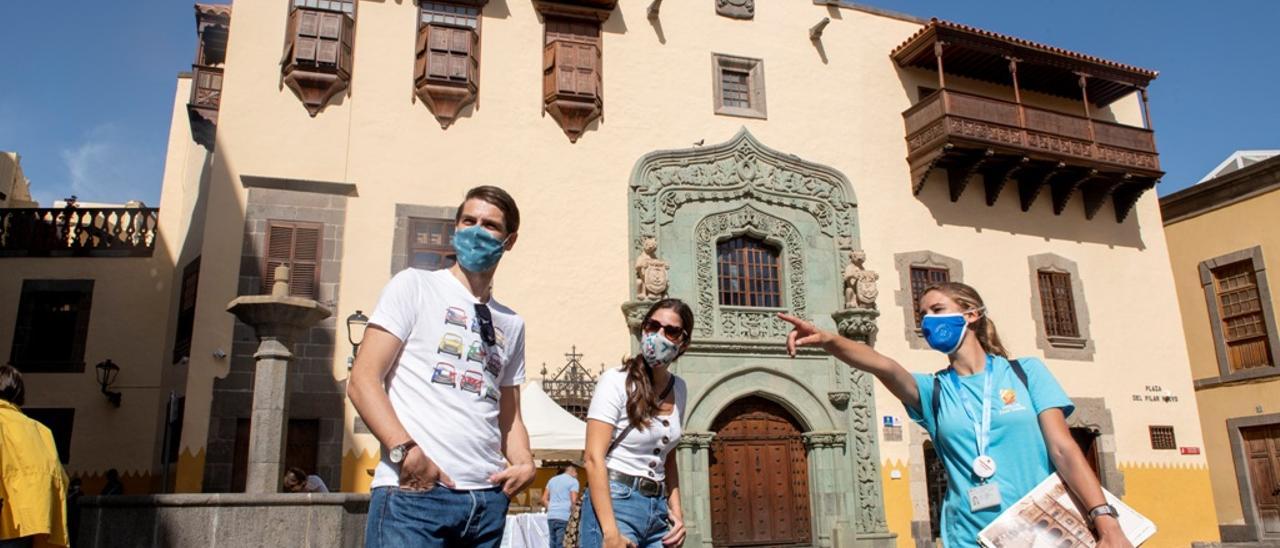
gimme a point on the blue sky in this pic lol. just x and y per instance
(86, 92)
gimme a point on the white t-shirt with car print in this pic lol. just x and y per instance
(445, 385)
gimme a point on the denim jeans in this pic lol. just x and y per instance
(641, 519)
(556, 529)
(440, 517)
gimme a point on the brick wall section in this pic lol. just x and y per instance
(313, 392)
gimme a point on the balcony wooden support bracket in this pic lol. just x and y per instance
(314, 88)
(445, 100)
(1126, 197)
(921, 168)
(994, 179)
(959, 173)
(1095, 194)
(1066, 186)
(1030, 184)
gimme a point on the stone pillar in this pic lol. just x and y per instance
(829, 502)
(269, 425)
(277, 319)
(693, 457)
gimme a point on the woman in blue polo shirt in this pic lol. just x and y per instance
(998, 435)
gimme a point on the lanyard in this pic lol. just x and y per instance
(981, 429)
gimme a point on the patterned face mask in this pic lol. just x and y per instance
(657, 350)
(478, 250)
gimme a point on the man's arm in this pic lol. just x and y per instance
(515, 444)
(377, 353)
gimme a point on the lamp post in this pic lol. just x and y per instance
(107, 371)
(356, 324)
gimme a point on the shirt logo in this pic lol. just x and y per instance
(1008, 395)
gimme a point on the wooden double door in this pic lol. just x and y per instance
(1262, 451)
(759, 477)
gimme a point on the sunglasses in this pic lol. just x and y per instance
(486, 325)
(671, 332)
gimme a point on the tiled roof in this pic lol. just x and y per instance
(214, 10)
(936, 23)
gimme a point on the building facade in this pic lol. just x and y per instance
(1220, 241)
(826, 159)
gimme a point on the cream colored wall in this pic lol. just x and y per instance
(1233, 228)
(568, 274)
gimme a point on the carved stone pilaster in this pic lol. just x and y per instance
(696, 441)
(858, 324)
(814, 440)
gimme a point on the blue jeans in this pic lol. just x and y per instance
(556, 528)
(641, 519)
(440, 517)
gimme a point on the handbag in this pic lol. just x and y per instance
(575, 513)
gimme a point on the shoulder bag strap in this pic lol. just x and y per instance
(618, 440)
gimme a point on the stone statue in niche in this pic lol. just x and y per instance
(859, 283)
(651, 273)
(737, 9)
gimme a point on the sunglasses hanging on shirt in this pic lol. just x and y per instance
(486, 324)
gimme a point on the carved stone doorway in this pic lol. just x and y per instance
(759, 476)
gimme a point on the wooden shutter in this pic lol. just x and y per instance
(307, 42)
(186, 310)
(296, 245)
(1057, 303)
(571, 58)
(1244, 326)
(330, 38)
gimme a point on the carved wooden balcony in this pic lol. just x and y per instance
(78, 232)
(318, 55)
(206, 97)
(1003, 142)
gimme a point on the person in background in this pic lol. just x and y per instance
(33, 486)
(114, 485)
(558, 498)
(298, 481)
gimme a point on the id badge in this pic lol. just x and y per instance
(984, 496)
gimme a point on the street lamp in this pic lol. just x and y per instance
(107, 371)
(355, 333)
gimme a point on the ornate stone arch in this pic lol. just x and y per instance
(740, 168)
(780, 387)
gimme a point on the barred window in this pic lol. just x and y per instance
(438, 13)
(344, 6)
(1162, 437)
(1244, 328)
(1058, 304)
(748, 272)
(736, 88)
(921, 278)
(430, 243)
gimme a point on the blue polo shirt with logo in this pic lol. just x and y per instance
(1016, 442)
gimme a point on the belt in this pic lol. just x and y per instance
(646, 486)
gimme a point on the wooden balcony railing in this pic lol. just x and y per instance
(1000, 142)
(1038, 132)
(78, 232)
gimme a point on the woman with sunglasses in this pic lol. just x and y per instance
(633, 424)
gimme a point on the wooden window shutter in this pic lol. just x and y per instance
(347, 43)
(296, 245)
(308, 36)
(330, 37)
(421, 53)
(1058, 304)
(549, 70)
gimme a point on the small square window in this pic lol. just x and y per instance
(739, 86)
(1162, 437)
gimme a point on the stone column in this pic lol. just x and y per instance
(277, 319)
(830, 501)
(693, 457)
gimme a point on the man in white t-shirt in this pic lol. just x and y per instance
(437, 380)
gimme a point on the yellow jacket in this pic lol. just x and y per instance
(33, 486)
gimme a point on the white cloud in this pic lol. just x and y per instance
(107, 166)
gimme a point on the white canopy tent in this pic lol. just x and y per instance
(554, 434)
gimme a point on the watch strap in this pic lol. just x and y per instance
(1103, 510)
(404, 448)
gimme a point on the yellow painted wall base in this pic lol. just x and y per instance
(1179, 499)
(190, 474)
(897, 500)
(357, 470)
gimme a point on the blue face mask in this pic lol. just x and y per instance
(478, 250)
(944, 332)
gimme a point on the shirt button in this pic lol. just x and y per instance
(657, 451)
(653, 464)
(651, 474)
(665, 440)
(665, 423)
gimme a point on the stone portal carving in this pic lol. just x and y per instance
(651, 273)
(859, 283)
(737, 9)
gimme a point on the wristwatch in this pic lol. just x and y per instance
(399, 452)
(1102, 510)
